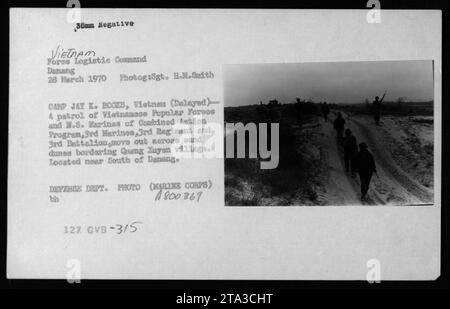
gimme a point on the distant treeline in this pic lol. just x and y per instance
(391, 108)
(270, 110)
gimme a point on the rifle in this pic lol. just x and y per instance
(383, 96)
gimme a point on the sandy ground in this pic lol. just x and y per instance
(402, 148)
(396, 183)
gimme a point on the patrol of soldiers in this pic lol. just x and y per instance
(355, 161)
(357, 158)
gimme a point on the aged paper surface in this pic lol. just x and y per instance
(116, 144)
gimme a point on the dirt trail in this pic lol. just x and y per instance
(339, 190)
(392, 186)
(406, 188)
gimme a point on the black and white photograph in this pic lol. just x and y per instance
(349, 133)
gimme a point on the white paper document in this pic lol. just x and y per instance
(224, 144)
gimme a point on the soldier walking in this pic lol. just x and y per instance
(366, 167)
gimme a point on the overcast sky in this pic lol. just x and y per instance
(337, 82)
